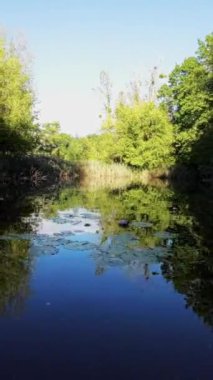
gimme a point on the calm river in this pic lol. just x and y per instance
(84, 298)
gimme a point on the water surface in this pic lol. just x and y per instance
(83, 298)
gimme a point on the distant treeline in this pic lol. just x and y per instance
(170, 126)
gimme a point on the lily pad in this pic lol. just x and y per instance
(165, 235)
(141, 224)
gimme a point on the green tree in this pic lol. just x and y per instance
(55, 143)
(18, 132)
(98, 147)
(143, 136)
(188, 99)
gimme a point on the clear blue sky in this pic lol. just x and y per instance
(73, 40)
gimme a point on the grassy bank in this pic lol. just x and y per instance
(99, 170)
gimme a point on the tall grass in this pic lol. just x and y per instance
(98, 170)
(99, 174)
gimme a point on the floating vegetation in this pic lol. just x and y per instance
(165, 235)
(141, 224)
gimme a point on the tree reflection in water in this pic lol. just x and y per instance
(15, 269)
(168, 227)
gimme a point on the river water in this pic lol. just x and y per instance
(84, 298)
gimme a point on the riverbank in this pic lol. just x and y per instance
(43, 171)
(35, 171)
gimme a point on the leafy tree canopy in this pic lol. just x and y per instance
(188, 98)
(17, 128)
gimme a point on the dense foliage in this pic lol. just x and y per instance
(188, 98)
(139, 131)
(17, 128)
(143, 136)
(177, 129)
(54, 143)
